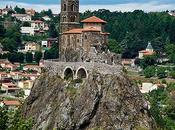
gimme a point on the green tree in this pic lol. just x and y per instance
(172, 74)
(170, 49)
(9, 44)
(2, 31)
(29, 57)
(161, 72)
(149, 71)
(19, 123)
(52, 53)
(38, 56)
(3, 118)
(52, 31)
(16, 57)
(20, 57)
(148, 61)
(114, 46)
(19, 10)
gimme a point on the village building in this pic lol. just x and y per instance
(11, 104)
(23, 17)
(87, 44)
(30, 12)
(36, 68)
(38, 25)
(148, 87)
(4, 75)
(148, 52)
(27, 31)
(3, 62)
(128, 62)
(49, 42)
(46, 18)
(32, 47)
(10, 88)
(32, 76)
(10, 66)
(16, 75)
(6, 10)
(27, 84)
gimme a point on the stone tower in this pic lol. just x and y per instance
(69, 17)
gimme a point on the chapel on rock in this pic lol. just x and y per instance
(83, 44)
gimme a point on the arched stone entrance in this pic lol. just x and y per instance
(68, 73)
(81, 73)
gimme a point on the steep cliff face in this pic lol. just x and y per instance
(103, 101)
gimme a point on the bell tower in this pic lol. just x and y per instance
(69, 16)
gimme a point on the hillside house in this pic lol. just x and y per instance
(27, 84)
(11, 104)
(32, 47)
(4, 75)
(10, 88)
(16, 75)
(36, 68)
(31, 76)
(149, 51)
(27, 31)
(23, 17)
(30, 12)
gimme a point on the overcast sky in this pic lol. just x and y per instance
(113, 5)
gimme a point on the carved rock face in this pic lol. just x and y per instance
(103, 101)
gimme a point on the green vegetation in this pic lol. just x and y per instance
(16, 57)
(11, 38)
(114, 46)
(52, 53)
(149, 71)
(19, 10)
(38, 56)
(29, 57)
(162, 107)
(13, 120)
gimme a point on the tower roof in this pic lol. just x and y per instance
(93, 19)
(149, 47)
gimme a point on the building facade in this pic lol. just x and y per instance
(69, 16)
(23, 17)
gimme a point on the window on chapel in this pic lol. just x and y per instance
(64, 7)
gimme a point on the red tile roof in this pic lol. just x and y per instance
(76, 31)
(11, 103)
(93, 19)
(9, 84)
(80, 30)
(37, 21)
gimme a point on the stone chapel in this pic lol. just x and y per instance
(82, 44)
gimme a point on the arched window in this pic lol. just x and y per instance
(68, 74)
(81, 73)
(64, 18)
(72, 7)
(64, 7)
(72, 18)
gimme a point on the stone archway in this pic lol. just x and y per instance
(68, 73)
(81, 73)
